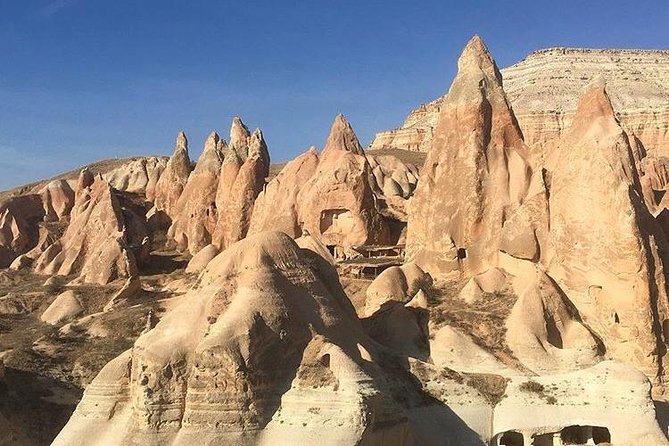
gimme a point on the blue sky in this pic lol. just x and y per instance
(83, 80)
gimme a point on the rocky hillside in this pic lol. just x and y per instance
(495, 296)
(544, 89)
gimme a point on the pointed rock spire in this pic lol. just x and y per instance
(258, 146)
(181, 142)
(173, 179)
(475, 57)
(594, 103)
(476, 173)
(211, 158)
(239, 133)
(596, 215)
(342, 137)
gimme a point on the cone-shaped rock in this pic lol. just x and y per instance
(267, 337)
(242, 178)
(342, 137)
(609, 251)
(94, 245)
(337, 203)
(174, 178)
(194, 216)
(276, 207)
(476, 172)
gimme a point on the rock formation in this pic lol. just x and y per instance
(395, 284)
(138, 176)
(610, 254)
(19, 217)
(58, 199)
(174, 178)
(476, 173)
(66, 306)
(243, 173)
(195, 213)
(95, 245)
(544, 88)
(276, 208)
(330, 197)
(262, 324)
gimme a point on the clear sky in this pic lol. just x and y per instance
(83, 80)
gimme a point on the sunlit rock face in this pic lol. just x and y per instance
(610, 253)
(95, 244)
(544, 88)
(266, 350)
(173, 179)
(243, 172)
(194, 215)
(330, 196)
(476, 173)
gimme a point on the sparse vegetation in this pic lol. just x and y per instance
(532, 386)
(492, 387)
(484, 319)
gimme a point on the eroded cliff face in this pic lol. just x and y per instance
(544, 88)
(610, 253)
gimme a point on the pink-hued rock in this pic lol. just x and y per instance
(194, 216)
(173, 179)
(95, 245)
(476, 173)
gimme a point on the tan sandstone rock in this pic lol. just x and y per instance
(267, 350)
(242, 178)
(94, 245)
(64, 308)
(195, 213)
(609, 252)
(172, 181)
(475, 174)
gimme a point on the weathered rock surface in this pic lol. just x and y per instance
(66, 306)
(395, 284)
(475, 175)
(242, 178)
(262, 324)
(330, 197)
(19, 217)
(95, 244)
(173, 179)
(58, 199)
(610, 254)
(276, 207)
(138, 176)
(195, 214)
(544, 88)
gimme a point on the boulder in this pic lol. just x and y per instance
(65, 307)
(395, 284)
